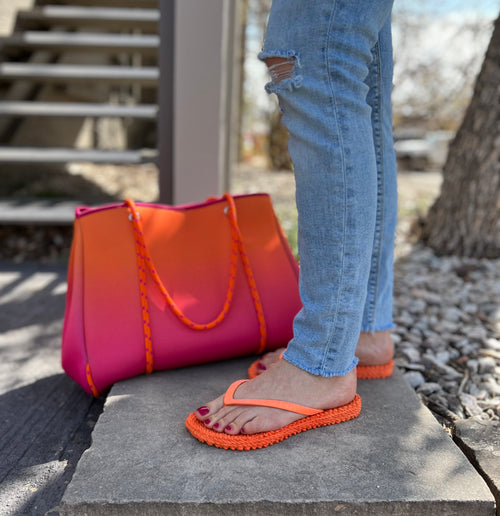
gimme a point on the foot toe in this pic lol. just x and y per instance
(251, 427)
(244, 418)
(210, 409)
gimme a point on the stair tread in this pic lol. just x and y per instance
(136, 42)
(37, 211)
(61, 72)
(113, 18)
(91, 13)
(66, 155)
(78, 109)
(150, 4)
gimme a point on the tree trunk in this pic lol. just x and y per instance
(278, 143)
(465, 219)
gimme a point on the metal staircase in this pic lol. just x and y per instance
(80, 82)
(78, 60)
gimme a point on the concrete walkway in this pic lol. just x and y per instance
(394, 459)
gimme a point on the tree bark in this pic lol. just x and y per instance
(278, 143)
(465, 219)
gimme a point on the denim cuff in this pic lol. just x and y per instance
(319, 371)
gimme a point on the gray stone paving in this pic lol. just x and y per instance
(394, 459)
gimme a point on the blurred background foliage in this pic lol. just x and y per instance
(438, 52)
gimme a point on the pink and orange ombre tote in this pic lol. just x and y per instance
(155, 287)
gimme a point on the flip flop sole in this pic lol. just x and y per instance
(256, 441)
(375, 372)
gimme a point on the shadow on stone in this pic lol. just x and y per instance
(45, 428)
(46, 419)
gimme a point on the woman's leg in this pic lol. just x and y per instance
(377, 315)
(374, 345)
(320, 54)
(325, 107)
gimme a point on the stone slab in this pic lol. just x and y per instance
(480, 441)
(395, 459)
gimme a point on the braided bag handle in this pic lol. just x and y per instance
(145, 262)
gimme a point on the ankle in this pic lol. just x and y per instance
(375, 348)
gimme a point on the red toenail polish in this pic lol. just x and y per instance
(228, 428)
(203, 411)
(207, 421)
(243, 431)
(262, 367)
(216, 425)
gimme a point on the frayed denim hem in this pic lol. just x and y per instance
(373, 329)
(319, 371)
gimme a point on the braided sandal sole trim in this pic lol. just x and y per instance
(256, 441)
(374, 372)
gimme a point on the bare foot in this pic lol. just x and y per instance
(373, 349)
(283, 382)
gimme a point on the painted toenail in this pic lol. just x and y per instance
(207, 421)
(229, 428)
(262, 367)
(203, 411)
(216, 425)
(243, 431)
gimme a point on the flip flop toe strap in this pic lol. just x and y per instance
(284, 405)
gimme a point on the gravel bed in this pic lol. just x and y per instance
(447, 335)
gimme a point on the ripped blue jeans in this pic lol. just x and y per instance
(331, 67)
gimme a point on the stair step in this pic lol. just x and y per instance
(71, 41)
(62, 155)
(75, 16)
(74, 109)
(37, 212)
(147, 76)
(146, 4)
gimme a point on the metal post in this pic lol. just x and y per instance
(230, 104)
(166, 90)
(196, 98)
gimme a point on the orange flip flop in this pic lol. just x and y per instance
(373, 372)
(314, 418)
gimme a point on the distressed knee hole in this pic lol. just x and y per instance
(280, 68)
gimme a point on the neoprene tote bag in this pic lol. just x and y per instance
(155, 287)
